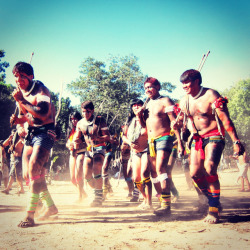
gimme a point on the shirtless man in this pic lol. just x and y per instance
(157, 117)
(34, 101)
(95, 132)
(209, 116)
(15, 143)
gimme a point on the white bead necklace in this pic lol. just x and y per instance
(198, 95)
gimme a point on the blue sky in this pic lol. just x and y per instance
(168, 37)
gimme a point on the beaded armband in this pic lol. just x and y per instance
(220, 103)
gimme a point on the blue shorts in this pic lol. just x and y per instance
(43, 136)
(16, 167)
(164, 143)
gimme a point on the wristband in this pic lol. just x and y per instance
(237, 142)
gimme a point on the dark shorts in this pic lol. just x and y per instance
(16, 167)
(97, 150)
(164, 143)
(217, 151)
(212, 139)
(43, 136)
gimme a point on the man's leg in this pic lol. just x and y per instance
(127, 176)
(38, 187)
(19, 177)
(20, 182)
(97, 173)
(154, 177)
(105, 175)
(171, 163)
(213, 152)
(88, 171)
(163, 173)
(10, 182)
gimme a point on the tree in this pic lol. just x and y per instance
(117, 83)
(7, 105)
(60, 153)
(3, 66)
(239, 108)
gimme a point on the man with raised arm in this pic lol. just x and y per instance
(157, 117)
(209, 118)
(34, 101)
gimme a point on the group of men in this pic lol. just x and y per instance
(203, 111)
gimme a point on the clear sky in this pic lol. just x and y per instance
(167, 36)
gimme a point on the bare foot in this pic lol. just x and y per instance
(50, 211)
(241, 190)
(212, 218)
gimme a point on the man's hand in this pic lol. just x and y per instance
(180, 149)
(238, 150)
(17, 95)
(16, 120)
(21, 132)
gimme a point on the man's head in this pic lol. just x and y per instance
(24, 74)
(87, 109)
(152, 87)
(23, 67)
(191, 75)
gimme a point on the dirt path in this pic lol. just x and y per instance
(121, 225)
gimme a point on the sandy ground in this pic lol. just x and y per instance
(119, 224)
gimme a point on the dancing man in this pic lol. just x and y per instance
(157, 117)
(96, 133)
(209, 116)
(34, 101)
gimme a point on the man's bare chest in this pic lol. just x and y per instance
(200, 109)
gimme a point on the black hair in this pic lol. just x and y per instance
(88, 105)
(131, 114)
(76, 115)
(23, 67)
(190, 76)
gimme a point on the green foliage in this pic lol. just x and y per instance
(60, 153)
(3, 66)
(7, 105)
(117, 83)
(239, 109)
